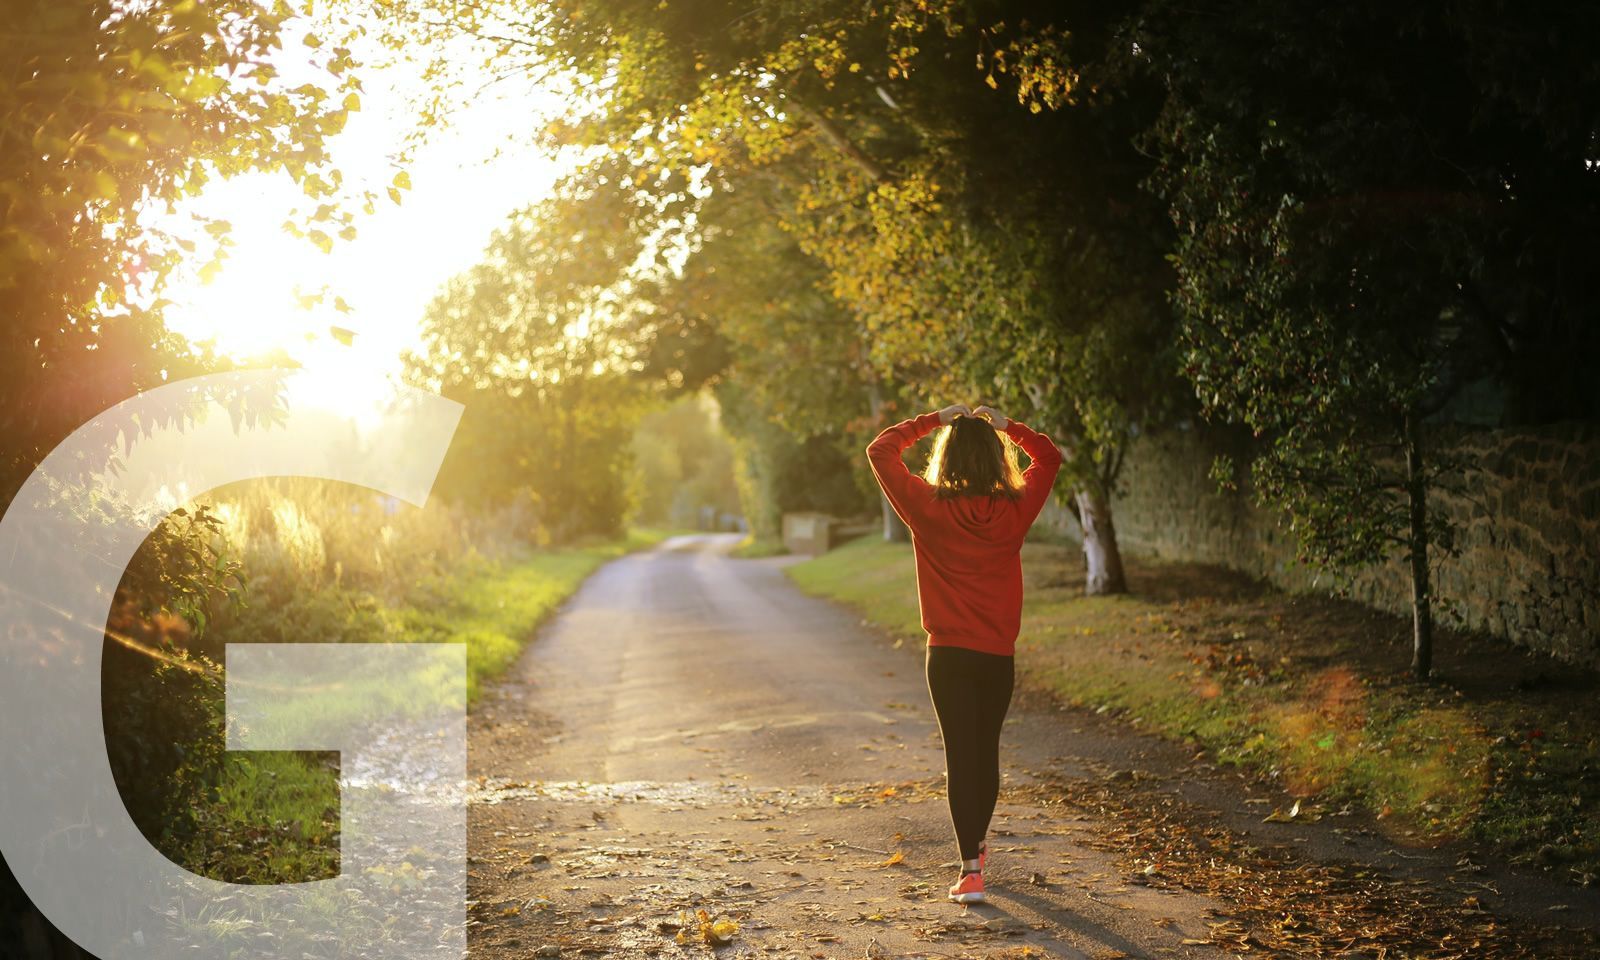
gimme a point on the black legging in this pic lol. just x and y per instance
(971, 694)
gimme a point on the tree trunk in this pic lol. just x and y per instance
(1100, 550)
(894, 529)
(1421, 595)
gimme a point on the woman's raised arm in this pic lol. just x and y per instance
(1041, 473)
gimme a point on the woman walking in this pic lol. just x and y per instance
(968, 514)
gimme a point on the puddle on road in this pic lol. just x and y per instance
(493, 790)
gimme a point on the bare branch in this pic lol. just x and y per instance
(836, 138)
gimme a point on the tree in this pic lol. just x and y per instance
(781, 472)
(684, 464)
(1376, 207)
(796, 387)
(108, 110)
(1015, 258)
(981, 244)
(526, 341)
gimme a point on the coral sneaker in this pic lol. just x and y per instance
(968, 890)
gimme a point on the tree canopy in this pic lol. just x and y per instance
(971, 205)
(1377, 209)
(526, 341)
(112, 110)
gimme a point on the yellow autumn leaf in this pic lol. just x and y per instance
(105, 186)
(722, 932)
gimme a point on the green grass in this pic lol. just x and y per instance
(495, 612)
(753, 547)
(276, 820)
(873, 576)
(276, 816)
(1307, 692)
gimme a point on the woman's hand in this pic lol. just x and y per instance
(995, 417)
(951, 412)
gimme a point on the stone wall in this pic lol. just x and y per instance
(1527, 519)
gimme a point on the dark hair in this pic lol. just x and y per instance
(971, 459)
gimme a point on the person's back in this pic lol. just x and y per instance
(968, 515)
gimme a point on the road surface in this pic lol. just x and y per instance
(691, 732)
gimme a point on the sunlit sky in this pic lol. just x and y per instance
(461, 191)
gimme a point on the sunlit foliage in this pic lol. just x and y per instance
(115, 108)
(977, 236)
(526, 341)
(683, 466)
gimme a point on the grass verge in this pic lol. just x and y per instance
(753, 547)
(1499, 750)
(495, 612)
(275, 818)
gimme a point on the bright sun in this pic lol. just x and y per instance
(400, 257)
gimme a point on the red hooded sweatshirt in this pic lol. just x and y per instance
(968, 549)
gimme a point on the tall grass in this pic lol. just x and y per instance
(319, 535)
(320, 562)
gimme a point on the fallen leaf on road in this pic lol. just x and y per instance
(716, 931)
(1295, 813)
(898, 857)
(722, 932)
